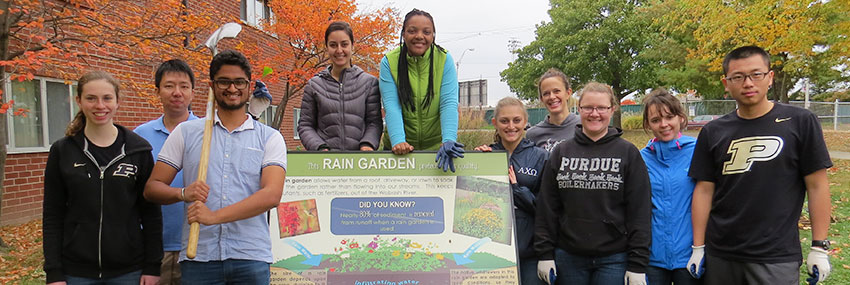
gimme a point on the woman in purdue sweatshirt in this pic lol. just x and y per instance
(593, 215)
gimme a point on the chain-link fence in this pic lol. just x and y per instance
(832, 115)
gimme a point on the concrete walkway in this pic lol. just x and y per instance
(834, 154)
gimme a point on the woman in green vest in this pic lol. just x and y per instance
(419, 90)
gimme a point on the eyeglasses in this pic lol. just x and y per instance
(755, 76)
(225, 83)
(588, 109)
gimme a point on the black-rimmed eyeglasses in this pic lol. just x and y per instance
(739, 78)
(225, 83)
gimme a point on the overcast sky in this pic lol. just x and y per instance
(485, 26)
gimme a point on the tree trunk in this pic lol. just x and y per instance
(4, 51)
(617, 117)
(782, 81)
(781, 85)
(281, 108)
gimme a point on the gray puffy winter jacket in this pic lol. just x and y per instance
(341, 116)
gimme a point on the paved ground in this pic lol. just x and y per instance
(834, 154)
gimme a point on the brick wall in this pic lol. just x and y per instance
(23, 184)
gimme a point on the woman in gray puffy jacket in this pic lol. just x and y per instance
(341, 106)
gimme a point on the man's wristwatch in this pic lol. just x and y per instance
(824, 244)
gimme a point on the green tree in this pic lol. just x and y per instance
(601, 40)
(804, 38)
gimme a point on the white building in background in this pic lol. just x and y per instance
(473, 93)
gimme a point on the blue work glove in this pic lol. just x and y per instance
(260, 100)
(261, 91)
(448, 151)
(814, 276)
(696, 265)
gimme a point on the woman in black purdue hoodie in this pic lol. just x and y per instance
(97, 226)
(593, 213)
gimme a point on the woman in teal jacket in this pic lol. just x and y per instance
(668, 158)
(419, 90)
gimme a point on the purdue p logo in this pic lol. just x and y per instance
(125, 169)
(745, 151)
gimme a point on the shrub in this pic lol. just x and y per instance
(473, 138)
(632, 122)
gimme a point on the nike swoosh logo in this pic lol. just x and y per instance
(79, 164)
(778, 120)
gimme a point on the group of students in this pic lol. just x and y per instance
(721, 209)
(590, 208)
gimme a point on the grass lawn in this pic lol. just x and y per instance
(21, 263)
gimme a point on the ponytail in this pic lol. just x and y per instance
(76, 125)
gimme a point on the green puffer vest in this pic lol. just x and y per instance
(421, 127)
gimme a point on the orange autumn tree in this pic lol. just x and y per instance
(298, 50)
(61, 38)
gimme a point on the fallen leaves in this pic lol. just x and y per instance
(23, 259)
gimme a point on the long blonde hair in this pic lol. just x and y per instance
(79, 122)
(507, 102)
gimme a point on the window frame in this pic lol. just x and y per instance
(45, 126)
(296, 116)
(247, 15)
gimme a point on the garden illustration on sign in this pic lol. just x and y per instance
(482, 215)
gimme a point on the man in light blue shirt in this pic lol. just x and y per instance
(175, 83)
(247, 166)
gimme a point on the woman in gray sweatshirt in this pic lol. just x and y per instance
(554, 91)
(341, 105)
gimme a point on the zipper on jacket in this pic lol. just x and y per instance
(100, 222)
(419, 129)
(342, 110)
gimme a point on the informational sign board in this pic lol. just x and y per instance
(375, 218)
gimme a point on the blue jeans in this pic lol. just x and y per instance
(129, 278)
(662, 276)
(230, 271)
(602, 270)
(528, 272)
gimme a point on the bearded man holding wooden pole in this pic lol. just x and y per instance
(245, 174)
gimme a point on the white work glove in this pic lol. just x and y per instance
(696, 265)
(260, 100)
(818, 265)
(544, 268)
(634, 278)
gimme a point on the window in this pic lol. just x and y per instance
(254, 12)
(50, 107)
(296, 116)
(268, 115)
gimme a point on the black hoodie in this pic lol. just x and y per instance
(97, 224)
(595, 200)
